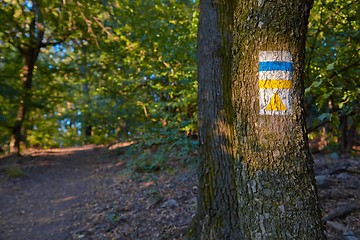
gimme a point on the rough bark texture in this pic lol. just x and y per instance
(256, 174)
(217, 216)
(275, 180)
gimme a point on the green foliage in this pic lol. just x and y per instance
(333, 56)
(52, 27)
(154, 155)
(120, 69)
(332, 70)
(149, 162)
(163, 89)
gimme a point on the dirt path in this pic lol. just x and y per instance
(91, 193)
(79, 193)
(48, 201)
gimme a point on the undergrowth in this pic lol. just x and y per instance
(161, 154)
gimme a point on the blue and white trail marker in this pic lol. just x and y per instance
(275, 85)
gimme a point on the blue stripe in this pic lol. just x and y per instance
(275, 66)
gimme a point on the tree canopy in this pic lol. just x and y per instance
(126, 69)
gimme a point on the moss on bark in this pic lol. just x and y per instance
(256, 176)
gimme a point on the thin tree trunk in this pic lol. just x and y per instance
(29, 57)
(29, 52)
(86, 109)
(343, 134)
(86, 114)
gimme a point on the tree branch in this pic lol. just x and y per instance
(352, 113)
(60, 41)
(102, 26)
(335, 73)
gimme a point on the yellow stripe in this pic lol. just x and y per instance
(275, 84)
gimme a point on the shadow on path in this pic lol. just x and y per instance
(49, 200)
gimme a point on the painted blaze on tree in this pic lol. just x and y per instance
(275, 73)
(256, 177)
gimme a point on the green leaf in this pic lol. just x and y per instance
(316, 84)
(331, 66)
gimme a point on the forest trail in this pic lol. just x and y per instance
(48, 201)
(87, 193)
(91, 192)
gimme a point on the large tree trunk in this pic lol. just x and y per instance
(256, 174)
(217, 216)
(276, 184)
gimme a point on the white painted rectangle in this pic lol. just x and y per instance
(275, 75)
(275, 56)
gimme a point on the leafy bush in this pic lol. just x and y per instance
(158, 153)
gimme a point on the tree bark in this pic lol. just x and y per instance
(343, 135)
(256, 175)
(86, 114)
(86, 109)
(217, 215)
(29, 55)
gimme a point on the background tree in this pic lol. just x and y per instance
(35, 25)
(137, 62)
(332, 72)
(256, 175)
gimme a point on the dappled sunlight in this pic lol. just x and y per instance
(72, 150)
(121, 145)
(118, 164)
(64, 199)
(58, 151)
(148, 184)
(114, 165)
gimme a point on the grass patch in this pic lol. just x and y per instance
(13, 171)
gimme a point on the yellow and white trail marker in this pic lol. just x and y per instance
(275, 84)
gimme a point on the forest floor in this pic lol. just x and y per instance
(90, 193)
